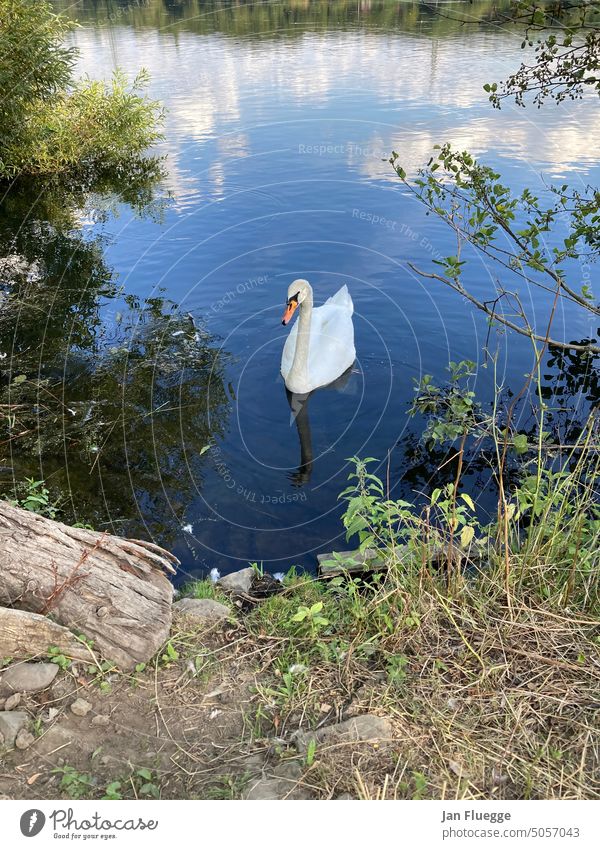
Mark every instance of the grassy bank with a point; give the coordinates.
(478, 644)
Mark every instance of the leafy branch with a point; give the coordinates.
(509, 229)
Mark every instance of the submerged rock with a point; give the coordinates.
(27, 678)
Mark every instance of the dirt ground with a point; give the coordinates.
(223, 712)
(190, 725)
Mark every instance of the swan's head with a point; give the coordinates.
(298, 291)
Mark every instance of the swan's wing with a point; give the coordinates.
(341, 299)
(331, 343)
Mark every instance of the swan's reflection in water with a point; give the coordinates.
(300, 415)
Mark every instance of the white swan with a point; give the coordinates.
(320, 346)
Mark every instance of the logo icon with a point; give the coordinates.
(32, 822)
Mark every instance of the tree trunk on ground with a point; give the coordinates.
(111, 590)
(25, 635)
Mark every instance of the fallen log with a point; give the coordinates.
(111, 590)
(25, 635)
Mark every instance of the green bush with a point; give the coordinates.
(52, 124)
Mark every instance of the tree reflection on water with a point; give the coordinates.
(107, 397)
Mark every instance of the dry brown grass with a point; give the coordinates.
(492, 703)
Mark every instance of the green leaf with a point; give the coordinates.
(467, 534)
(520, 443)
(468, 500)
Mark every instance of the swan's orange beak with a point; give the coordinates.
(289, 311)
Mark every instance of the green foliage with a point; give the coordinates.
(451, 410)
(146, 783)
(37, 499)
(310, 618)
(51, 124)
(311, 750)
(565, 41)
(203, 589)
(170, 654)
(511, 229)
(227, 787)
(56, 656)
(75, 784)
(113, 791)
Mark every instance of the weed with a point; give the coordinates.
(75, 784)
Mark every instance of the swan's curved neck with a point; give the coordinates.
(299, 369)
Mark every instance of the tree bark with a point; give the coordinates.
(25, 635)
(110, 590)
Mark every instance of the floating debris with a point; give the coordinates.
(214, 575)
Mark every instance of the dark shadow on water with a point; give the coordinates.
(300, 415)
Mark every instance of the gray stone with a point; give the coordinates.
(27, 678)
(238, 581)
(11, 722)
(101, 719)
(12, 701)
(367, 728)
(281, 782)
(24, 739)
(80, 707)
(275, 788)
(203, 609)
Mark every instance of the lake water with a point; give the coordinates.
(280, 122)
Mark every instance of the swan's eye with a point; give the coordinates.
(293, 299)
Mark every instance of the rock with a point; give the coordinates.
(24, 739)
(101, 719)
(80, 707)
(359, 729)
(239, 582)
(12, 701)
(11, 722)
(202, 609)
(282, 782)
(27, 678)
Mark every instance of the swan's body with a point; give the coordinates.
(320, 346)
